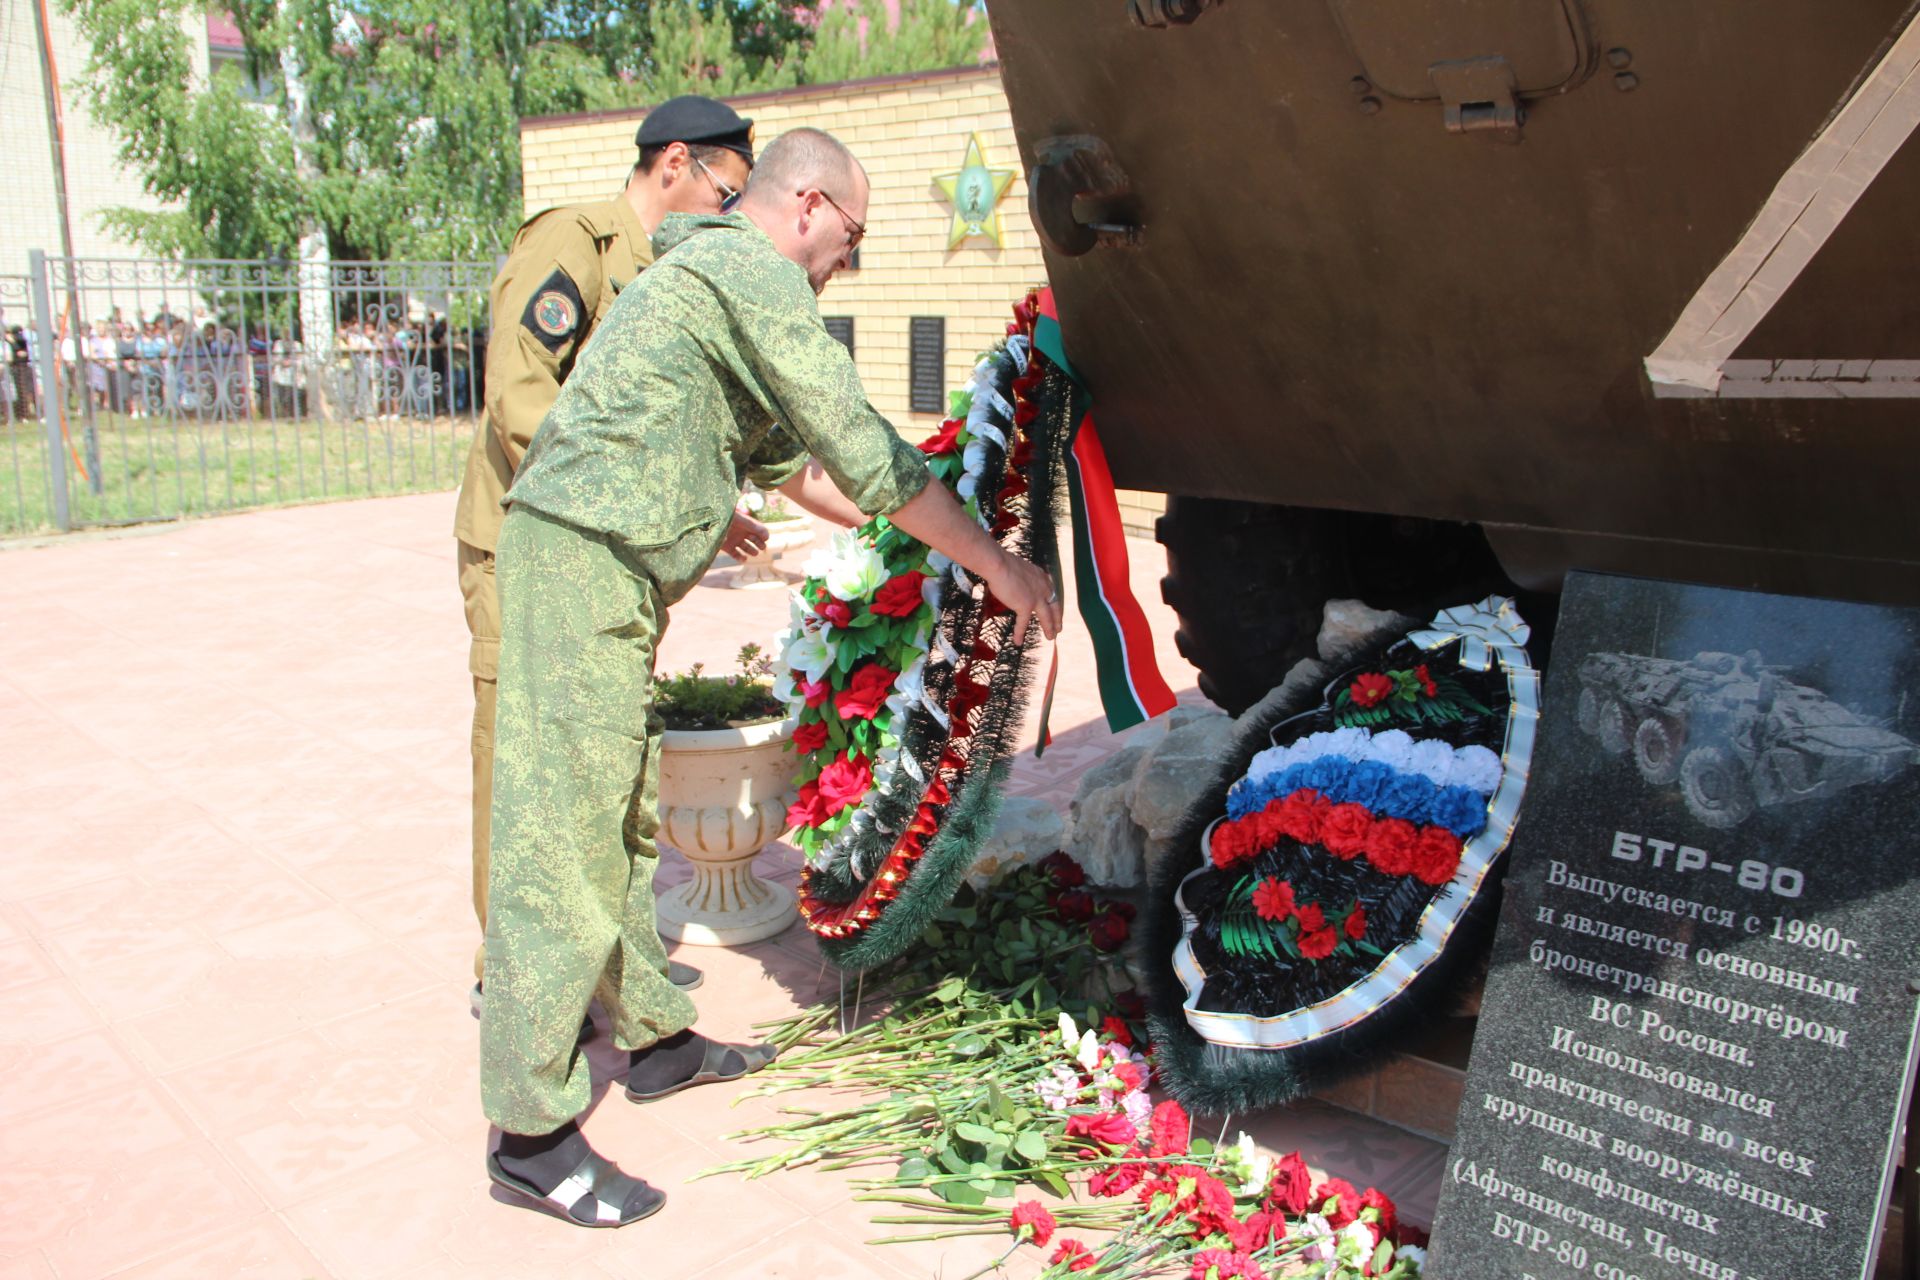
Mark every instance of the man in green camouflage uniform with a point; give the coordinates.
(615, 513)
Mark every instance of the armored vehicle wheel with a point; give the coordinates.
(1588, 714)
(1716, 790)
(1616, 732)
(1656, 751)
(1250, 581)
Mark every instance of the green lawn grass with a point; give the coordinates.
(164, 468)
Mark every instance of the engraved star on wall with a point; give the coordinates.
(975, 191)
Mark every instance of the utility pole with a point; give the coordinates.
(57, 145)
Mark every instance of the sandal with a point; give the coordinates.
(593, 1195)
(713, 1068)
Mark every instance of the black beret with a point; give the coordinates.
(695, 119)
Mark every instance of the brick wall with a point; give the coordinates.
(905, 130)
(29, 217)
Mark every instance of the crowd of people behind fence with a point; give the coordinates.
(179, 367)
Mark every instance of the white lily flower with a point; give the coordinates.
(1089, 1052)
(850, 568)
(1069, 1034)
(812, 654)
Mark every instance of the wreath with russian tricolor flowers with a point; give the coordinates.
(1338, 870)
(900, 673)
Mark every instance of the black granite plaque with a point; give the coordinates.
(927, 364)
(1696, 1040)
(841, 327)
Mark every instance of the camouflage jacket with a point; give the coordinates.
(676, 398)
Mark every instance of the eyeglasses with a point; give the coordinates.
(728, 196)
(856, 231)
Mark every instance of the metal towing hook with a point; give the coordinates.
(1167, 13)
(1076, 167)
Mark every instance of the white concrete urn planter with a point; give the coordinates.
(795, 534)
(723, 797)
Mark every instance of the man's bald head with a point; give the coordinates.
(805, 160)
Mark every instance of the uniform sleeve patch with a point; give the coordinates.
(553, 314)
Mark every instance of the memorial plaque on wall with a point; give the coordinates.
(1696, 1039)
(841, 327)
(927, 364)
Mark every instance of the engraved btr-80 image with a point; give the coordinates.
(1735, 733)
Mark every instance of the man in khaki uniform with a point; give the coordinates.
(566, 267)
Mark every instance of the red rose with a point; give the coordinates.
(1287, 1193)
(1311, 917)
(1390, 843)
(1273, 899)
(1427, 685)
(1076, 1255)
(809, 738)
(865, 693)
(945, 440)
(1356, 924)
(838, 612)
(1436, 855)
(814, 692)
(1169, 1129)
(1066, 873)
(900, 596)
(1117, 1031)
(1030, 1220)
(845, 782)
(808, 809)
(1108, 931)
(1075, 905)
(1319, 944)
(1345, 830)
(1117, 1181)
(1346, 1211)
(1374, 1199)
(1370, 689)
(1111, 1129)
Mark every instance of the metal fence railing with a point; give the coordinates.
(181, 387)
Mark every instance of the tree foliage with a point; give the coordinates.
(414, 104)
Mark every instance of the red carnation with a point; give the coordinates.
(1311, 917)
(1370, 689)
(1117, 1181)
(900, 596)
(1273, 899)
(1427, 686)
(1169, 1129)
(809, 738)
(1075, 905)
(1346, 1211)
(865, 693)
(945, 440)
(1111, 1129)
(1300, 815)
(1128, 1074)
(1116, 1030)
(1076, 1255)
(808, 809)
(838, 612)
(1345, 829)
(814, 692)
(1389, 1217)
(1390, 846)
(1109, 930)
(1287, 1193)
(1318, 945)
(1066, 873)
(1132, 1005)
(1030, 1220)
(1436, 855)
(1219, 1264)
(1260, 1230)
(845, 782)
(1356, 924)
(1234, 842)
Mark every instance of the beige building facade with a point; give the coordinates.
(909, 131)
(96, 179)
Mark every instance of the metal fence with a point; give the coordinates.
(185, 387)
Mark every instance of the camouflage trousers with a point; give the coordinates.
(575, 810)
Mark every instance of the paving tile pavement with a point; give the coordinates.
(235, 937)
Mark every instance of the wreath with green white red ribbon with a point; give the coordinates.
(901, 675)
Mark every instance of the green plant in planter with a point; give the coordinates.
(694, 700)
(769, 508)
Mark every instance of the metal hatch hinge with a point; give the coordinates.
(1477, 96)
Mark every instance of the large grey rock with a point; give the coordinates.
(1347, 623)
(1025, 831)
(1103, 838)
(1171, 776)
